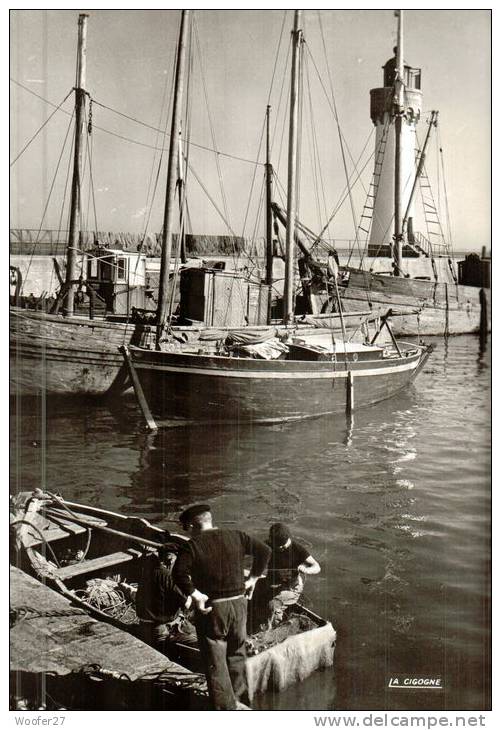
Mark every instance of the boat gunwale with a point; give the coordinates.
(226, 366)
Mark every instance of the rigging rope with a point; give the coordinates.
(211, 125)
(316, 160)
(68, 171)
(163, 135)
(447, 211)
(47, 204)
(281, 96)
(318, 239)
(190, 167)
(137, 121)
(338, 125)
(58, 107)
(91, 177)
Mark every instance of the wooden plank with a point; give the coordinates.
(105, 561)
(138, 390)
(49, 530)
(104, 528)
(63, 516)
(53, 534)
(56, 637)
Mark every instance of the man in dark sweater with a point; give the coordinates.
(210, 569)
(289, 563)
(160, 605)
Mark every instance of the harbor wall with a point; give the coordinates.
(43, 274)
(40, 256)
(53, 243)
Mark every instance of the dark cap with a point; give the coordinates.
(279, 534)
(190, 513)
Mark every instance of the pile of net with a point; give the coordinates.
(110, 597)
(268, 637)
(288, 653)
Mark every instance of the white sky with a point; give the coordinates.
(130, 60)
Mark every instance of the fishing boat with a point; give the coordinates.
(70, 352)
(315, 376)
(94, 558)
(423, 275)
(296, 376)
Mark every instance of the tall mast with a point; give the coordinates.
(71, 254)
(291, 176)
(398, 113)
(269, 218)
(163, 299)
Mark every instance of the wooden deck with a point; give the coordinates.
(53, 644)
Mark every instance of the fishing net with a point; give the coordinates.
(270, 636)
(109, 597)
(289, 659)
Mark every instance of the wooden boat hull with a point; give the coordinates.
(248, 390)
(439, 308)
(78, 356)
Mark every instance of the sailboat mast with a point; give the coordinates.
(71, 253)
(291, 175)
(398, 113)
(163, 299)
(269, 217)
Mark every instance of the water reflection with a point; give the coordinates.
(384, 499)
(483, 353)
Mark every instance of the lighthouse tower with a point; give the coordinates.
(385, 110)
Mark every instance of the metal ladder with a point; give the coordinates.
(370, 200)
(436, 240)
(434, 230)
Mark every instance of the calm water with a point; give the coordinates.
(395, 506)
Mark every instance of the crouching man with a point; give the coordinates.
(160, 605)
(289, 563)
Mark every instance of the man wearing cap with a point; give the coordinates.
(210, 569)
(289, 562)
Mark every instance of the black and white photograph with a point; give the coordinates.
(250, 364)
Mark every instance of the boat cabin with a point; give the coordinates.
(120, 279)
(221, 298)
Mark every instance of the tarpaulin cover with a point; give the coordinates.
(250, 336)
(269, 350)
(291, 661)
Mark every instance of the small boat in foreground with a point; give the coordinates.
(94, 558)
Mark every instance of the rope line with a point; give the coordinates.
(91, 177)
(137, 121)
(216, 207)
(58, 107)
(47, 203)
(447, 210)
(211, 124)
(159, 134)
(340, 135)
